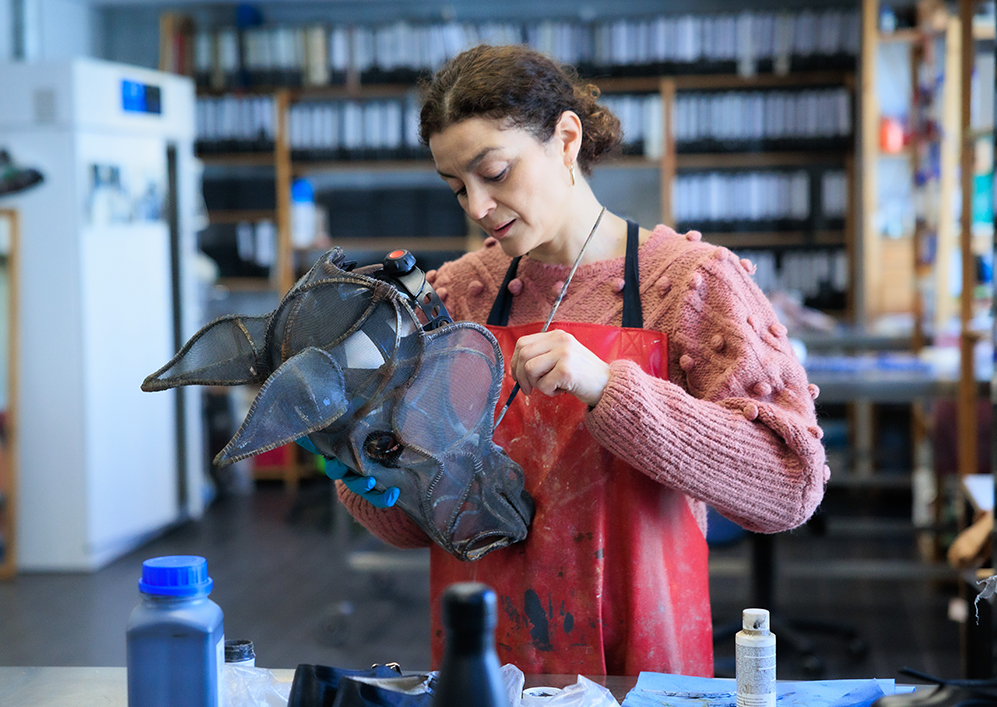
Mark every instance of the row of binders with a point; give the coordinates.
(235, 121)
(640, 121)
(712, 197)
(811, 273)
(763, 115)
(318, 55)
(356, 127)
(393, 124)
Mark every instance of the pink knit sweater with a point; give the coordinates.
(733, 426)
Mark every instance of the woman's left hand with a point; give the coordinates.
(553, 362)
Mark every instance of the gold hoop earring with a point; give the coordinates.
(571, 170)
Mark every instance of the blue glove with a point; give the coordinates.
(357, 483)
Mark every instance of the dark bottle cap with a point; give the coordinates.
(239, 650)
(398, 263)
(469, 606)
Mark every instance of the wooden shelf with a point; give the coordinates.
(735, 82)
(706, 82)
(217, 216)
(607, 84)
(689, 160)
(908, 152)
(258, 90)
(981, 32)
(386, 244)
(238, 159)
(349, 91)
(632, 162)
(701, 160)
(632, 84)
(984, 32)
(907, 34)
(246, 284)
(282, 463)
(301, 168)
(327, 92)
(719, 160)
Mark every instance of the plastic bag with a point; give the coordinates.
(584, 693)
(253, 687)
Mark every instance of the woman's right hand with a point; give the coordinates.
(555, 362)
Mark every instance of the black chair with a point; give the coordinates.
(792, 635)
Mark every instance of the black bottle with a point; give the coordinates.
(470, 673)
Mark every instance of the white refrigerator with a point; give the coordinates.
(106, 297)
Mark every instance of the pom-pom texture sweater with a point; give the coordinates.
(734, 425)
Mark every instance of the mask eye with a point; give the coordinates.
(382, 447)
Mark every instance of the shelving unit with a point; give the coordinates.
(786, 70)
(967, 423)
(671, 164)
(807, 156)
(940, 237)
(941, 155)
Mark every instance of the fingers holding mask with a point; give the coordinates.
(357, 483)
(554, 362)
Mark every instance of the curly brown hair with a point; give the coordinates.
(524, 87)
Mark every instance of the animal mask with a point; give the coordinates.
(344, 361)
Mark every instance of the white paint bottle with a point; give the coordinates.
(754, 654)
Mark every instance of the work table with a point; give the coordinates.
(107, 687)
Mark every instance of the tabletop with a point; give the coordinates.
(108, 687)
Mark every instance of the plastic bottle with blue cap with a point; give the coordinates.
(176, 637)
(303, 213)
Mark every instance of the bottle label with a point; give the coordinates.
(755, 666)
(756, 700)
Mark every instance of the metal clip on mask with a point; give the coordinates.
(399, 269)
(346, 360)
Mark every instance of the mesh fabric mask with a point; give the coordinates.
(344, 361)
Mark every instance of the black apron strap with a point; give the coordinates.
(633, 313)
(499, 316)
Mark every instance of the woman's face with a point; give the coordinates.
(508, 182)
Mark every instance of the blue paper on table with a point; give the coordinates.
(656, 689)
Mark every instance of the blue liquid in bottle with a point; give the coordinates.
(176, 637)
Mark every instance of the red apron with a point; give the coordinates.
(613, 576)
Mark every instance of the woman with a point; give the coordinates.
(665, 383)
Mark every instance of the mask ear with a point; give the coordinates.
(228, 351)
(305, 394)
(455, 390)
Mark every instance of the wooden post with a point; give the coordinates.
(285, 252)
(851, 239)
(668, 156)
(282, 160)
(866, 285)
(951, 138)
(967, 422)
(920, 224)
